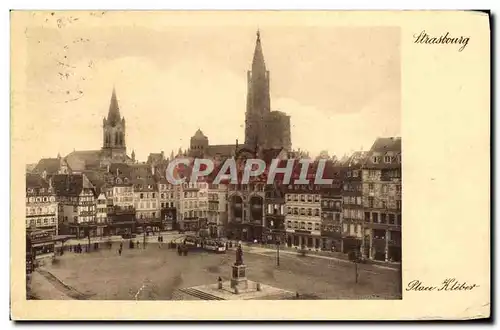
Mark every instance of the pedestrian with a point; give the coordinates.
(138, 244)
(120, 251)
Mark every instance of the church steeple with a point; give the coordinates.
(114, 110)
(114, 144)
(258, 63)
(258, 98)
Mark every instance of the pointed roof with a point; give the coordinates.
(199, 135)
(258, 63)
(114, 110)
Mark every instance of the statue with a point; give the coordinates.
(239, 256)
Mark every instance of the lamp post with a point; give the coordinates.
(277, 252)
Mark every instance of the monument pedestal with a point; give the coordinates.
(239, 278)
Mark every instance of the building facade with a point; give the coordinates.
(217, 209)
(352, 197)
(41, 215)
(77, 205)
(275, 214)
(381, 177)
(303, 216)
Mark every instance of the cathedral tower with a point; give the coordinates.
(113, 129)
(258, 98)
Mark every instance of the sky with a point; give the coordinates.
(340, 85)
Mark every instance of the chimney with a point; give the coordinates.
(162, 155)
(153, 169)
(44, 174)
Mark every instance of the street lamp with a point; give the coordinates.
(277, 252)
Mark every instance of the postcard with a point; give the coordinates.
(284, 165)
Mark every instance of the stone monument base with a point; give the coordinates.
(212, 292)
(239, 277)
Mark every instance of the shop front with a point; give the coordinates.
(303, 239)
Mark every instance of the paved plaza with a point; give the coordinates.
(156, 273)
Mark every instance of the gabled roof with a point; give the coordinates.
(68, 184)
(269, 154)
(84, 160)
(225, 150)
(35, 181)
(50, 165)
(97, 179)
(390, 146)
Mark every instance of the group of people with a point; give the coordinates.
(79, 248)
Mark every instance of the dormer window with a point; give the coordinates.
(376, 159)
(387, 159)
(118, 181)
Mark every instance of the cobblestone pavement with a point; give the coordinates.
(156, 273)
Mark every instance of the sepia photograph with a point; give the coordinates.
(178, 160)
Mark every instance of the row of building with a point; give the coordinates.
(360, 209)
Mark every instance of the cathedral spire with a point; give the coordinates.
(114, 110)
(258, 63)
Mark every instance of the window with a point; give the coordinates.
(75, 208)
(375, 217)
(383, 204)
(383, 218)
(316, 197)
(141, 196)
(309, 198)
(302, 225)
(316, 226)
(337, 216)
(302, 198)
(370, 202)
(398, 205)
(387, 159)
(316, 212)
(309, 226)
(370, 186)
(353, 201)
(348, 174)
(309, 212)
(302, 211)
(384, 188)
(391, 219)
(399, 220)
(288, 197)
(295, 211)
(358, 200)
(346, 200)
(355, 174)
(376, 159)
(75, 218)
(162, 196)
